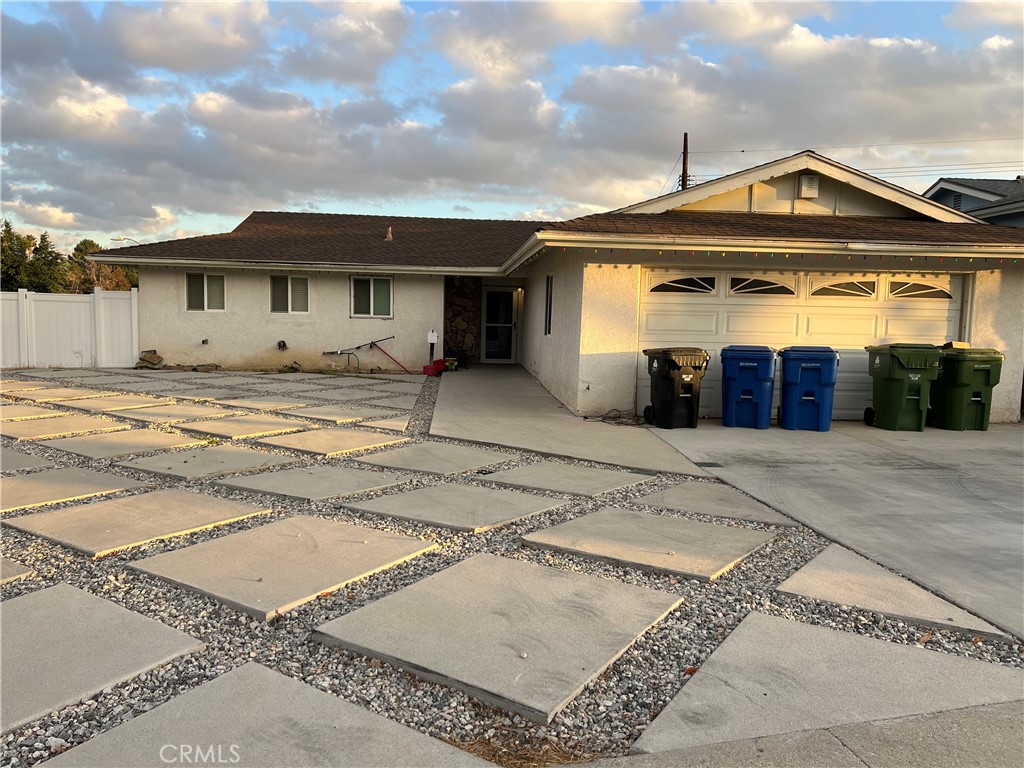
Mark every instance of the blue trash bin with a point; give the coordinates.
(748, 382)
(808, 387)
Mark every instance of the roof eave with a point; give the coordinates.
(781, 245)
(296, 266)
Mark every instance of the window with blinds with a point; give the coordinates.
(204, 292)
(371, 296)
(289, 294)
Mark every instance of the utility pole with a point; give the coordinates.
(684, 177)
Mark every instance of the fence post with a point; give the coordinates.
(99, 352)
(135, 321)
(24, 334)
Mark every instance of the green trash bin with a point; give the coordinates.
(961, 397)
(901, 378)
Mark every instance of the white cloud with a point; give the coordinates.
(996, 42)
(44, 216)
(974, 13)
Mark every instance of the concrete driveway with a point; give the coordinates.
(945, 509)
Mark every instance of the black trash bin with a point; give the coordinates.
(676, 373)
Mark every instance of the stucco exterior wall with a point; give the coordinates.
(608, 335)
(997, 322)
(554, 360)
(245, 334)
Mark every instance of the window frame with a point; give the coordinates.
(291, 295)
(206, 291)
(370, 279)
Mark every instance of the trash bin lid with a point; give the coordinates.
(911, 355)
(983, 355)
(745, 351)
(674, 351)
(816, 353)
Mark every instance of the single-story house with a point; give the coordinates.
(802, 250)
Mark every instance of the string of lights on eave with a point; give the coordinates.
(781, 257)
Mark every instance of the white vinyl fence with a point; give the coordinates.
(42, 330)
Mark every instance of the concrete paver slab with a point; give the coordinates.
(403, 387)
(14, 461)
(9, 386)
(774, 676)
(462, 507)
(652, 542)
(61, 645)
(438, 458)
(211, 393)
(395, 424)
(340, 395)
(157, 387)
(164, 375)
(806, 749)
(315, 483)
(206, 462)
(18, 412)
(523, 637)
(840, 576)
(566, 478)
(303, 376)
(279, 566)
(715, 499)
(241, 427)
(58, 426)
(54, 485)
(340, 414)
(256, 711)
(52, 394)
(264, 403)
(113, 444)
(401, 403)
(11, 570)
(977, 736)
(114, 403)
(105, 527)
(505, 405)
(332, 441)
(173, 414)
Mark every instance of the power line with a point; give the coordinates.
(670, 174)
(855, 146)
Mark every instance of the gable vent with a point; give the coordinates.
(808, 186)
(958, 201)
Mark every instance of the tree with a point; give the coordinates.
(14, 250)
(47, 268)
(85, 275)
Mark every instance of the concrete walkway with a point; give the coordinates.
(506, 406)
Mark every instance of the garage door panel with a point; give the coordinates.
(676, 321)
(834, 330)
(917, 328)
(761, 324)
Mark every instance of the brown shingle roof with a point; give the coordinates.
(771, 226)
(346, 239)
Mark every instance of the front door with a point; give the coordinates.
(500, 324)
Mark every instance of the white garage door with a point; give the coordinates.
(713, 309)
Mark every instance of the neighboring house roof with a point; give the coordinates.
(698, 225)
(998, 192)
(351, 241)
(810, 161)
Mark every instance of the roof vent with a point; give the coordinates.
(808, 187)
(388, 235)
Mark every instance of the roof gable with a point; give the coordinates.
(890, 199)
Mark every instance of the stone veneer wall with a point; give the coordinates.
(463, 297)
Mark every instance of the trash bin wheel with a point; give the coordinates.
(869, 416)
(649, 414)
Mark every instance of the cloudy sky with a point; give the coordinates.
(161, 120)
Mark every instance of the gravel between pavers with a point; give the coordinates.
(603, 720)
